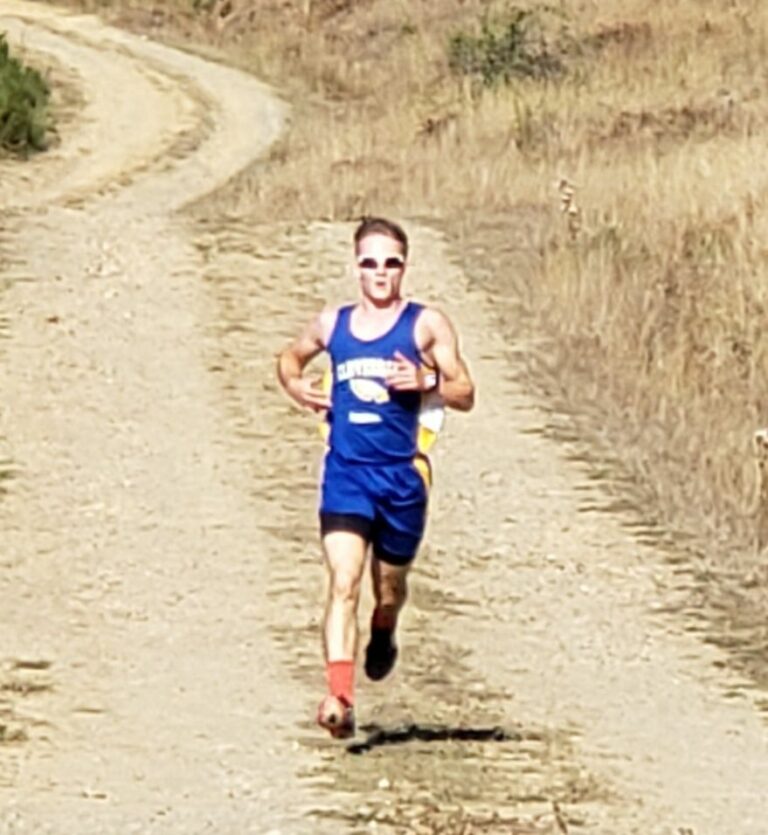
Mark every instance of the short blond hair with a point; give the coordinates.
(381, 226)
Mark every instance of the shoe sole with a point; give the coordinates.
(338, 726)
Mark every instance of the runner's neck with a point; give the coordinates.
(370, 321)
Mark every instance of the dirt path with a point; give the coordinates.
(133, 561)
(159, 580)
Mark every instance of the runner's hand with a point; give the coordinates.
(309, 394)
(407, 376)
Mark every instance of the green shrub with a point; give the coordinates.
(515, 46)
(23, 105)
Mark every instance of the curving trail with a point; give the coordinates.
(128, 562)
(159, 582)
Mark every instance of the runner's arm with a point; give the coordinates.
(295, 357)
(455, 383)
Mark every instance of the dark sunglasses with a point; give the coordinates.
(391, 263)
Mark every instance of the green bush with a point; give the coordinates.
(515, 46)
(23, 105)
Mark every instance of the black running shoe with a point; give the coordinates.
(380, 654)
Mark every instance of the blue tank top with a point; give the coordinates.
(370, 424)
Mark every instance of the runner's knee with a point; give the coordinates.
(391, 590)
(345, 586)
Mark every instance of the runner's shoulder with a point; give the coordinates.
(326, 322)
(432, 322)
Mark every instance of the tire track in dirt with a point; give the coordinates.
(114, 139)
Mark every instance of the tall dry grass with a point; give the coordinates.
(647, 303)
(655, 309)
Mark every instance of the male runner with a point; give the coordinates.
(386, 352)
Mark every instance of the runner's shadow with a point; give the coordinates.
(402, 734)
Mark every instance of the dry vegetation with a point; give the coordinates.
(645, 298)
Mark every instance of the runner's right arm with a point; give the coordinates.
(292, 361)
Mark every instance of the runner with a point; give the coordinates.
(387, 354)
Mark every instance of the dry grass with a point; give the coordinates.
(648, 299)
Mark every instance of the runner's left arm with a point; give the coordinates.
(441, 350)
(454, 380)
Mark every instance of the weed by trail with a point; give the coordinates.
(515, 46)
(23, 105)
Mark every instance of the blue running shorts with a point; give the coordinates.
(385, 503)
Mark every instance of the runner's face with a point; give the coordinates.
(380, 267)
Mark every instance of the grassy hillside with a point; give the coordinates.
(600, 166)
(23, 105)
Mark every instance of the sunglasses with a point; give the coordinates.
(391, 263)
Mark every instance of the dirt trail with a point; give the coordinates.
(132, 559)
(159, 579)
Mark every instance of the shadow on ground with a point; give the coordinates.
(378, 736)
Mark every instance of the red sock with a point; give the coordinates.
(384, 619)
(341, 679)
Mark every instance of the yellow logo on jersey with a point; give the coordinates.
(431, 414)
(369, 391)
